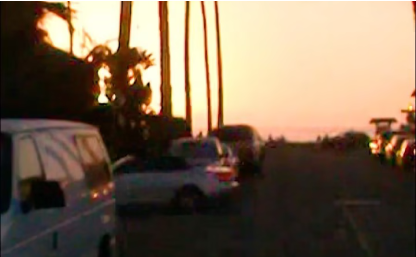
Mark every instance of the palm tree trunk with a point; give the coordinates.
(219, 66)
(166, 96)
(71, 29)
(123, 46)
(204, 17)
(188, 102)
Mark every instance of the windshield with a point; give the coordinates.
(200, 149)
(5, 178)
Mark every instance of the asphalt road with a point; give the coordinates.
(310, 203)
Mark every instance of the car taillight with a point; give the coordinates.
(225, 176)
(221, 174)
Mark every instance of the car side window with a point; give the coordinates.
(129, 167)
(94, 161)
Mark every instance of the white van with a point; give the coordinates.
(56, 190)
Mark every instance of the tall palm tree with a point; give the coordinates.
(166, 96)
(204, 18)
(188, 103)
(219, 66)
(120, 74)
(70, 28)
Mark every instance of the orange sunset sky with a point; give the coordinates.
(300, 65)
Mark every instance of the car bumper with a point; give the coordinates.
(225, 192)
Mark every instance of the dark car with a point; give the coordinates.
(246, 142)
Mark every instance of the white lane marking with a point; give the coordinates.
(357, 202)
(360, 235)
(362, 240)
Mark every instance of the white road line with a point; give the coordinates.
(360, 235)
(362, 241)
(357, 202)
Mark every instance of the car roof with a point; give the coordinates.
(236, 126)
(14, 126)
(194, 139)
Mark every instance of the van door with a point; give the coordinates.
(30, 230)
(66, 158)
(99, 219)
(61, 163)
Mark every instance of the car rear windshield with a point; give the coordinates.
(200, 149)
(234, 134)
(5, 178)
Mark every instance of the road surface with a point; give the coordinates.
(310, 203)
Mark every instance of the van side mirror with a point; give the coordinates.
(44, 195)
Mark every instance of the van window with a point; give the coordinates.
(28, 160)
(6, 172)
(60, 157)
(94, 161)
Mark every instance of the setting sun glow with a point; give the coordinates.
(285, 64)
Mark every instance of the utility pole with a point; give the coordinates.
(219, 67)
(188, 102)
(165, 90)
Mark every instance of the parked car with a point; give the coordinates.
(393, 146)
(205, 151)
(56, 181)
(405, 157)
(169, 181)
(246, 142)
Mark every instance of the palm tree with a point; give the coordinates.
(22, 19)
(204, 17)
(219, 66)
(136, 60)
(166, 96)
(70, 28)
(188, 102)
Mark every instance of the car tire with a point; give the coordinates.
(189, 200)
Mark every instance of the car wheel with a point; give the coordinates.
(189, 200)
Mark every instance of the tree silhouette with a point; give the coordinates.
(102, 57)
(36, 78)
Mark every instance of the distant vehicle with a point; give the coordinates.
(169, 181)
(246, 142)
(56, 181)
(380, 141)
(405, 157)
(204, 151)
(393, 146)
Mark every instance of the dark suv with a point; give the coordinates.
(246, 142)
